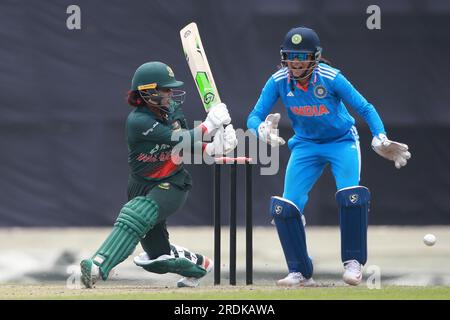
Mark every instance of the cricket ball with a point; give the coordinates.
(429, 239)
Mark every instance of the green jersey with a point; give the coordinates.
(150, 143)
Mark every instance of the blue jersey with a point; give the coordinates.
(317, 112)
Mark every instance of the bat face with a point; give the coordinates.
(199, 66)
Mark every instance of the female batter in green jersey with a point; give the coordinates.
(158, 185)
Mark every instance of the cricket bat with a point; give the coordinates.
(199, 66)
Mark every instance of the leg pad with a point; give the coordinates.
(180, 261)
(353, 205)
(136, 218)
(291, 232)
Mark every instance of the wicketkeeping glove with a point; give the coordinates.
(268, 130)
(391, 150)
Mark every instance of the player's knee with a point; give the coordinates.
(283, 208)
(298, 200)
(138, 215)
(351, 180)
(353, 196)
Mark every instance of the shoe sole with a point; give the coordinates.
(181, 284)
(308, 283)
(352, 281)
(86, 277)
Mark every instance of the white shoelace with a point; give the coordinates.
(296, 275)
(352, 266)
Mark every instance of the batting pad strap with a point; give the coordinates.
(354, 203)
(139, 214)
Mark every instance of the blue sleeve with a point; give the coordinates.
(353, 98)
(264, 105)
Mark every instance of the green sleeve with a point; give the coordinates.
(197, 146)
(146, 128)
(179, 115)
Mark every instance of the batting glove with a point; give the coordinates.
(217, 116)
(224, 142)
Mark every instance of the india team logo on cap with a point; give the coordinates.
(171, 74)
(296, 38)
(320, 91)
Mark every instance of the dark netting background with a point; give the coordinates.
(62, 106)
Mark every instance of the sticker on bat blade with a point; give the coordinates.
(205, 88)
(208, 98)
(187, 33)
(199, 50)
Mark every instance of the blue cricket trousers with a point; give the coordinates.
(309, 159)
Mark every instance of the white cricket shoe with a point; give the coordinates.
(353, 272)
(295, 279)
(192, 282)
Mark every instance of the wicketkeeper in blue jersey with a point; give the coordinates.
(315, 96)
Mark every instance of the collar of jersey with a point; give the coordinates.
(299, 86)
(312, 80)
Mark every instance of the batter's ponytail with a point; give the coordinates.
(134, 99)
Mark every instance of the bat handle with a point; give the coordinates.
(222, 132)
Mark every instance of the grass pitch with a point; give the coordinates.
(126, 292)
